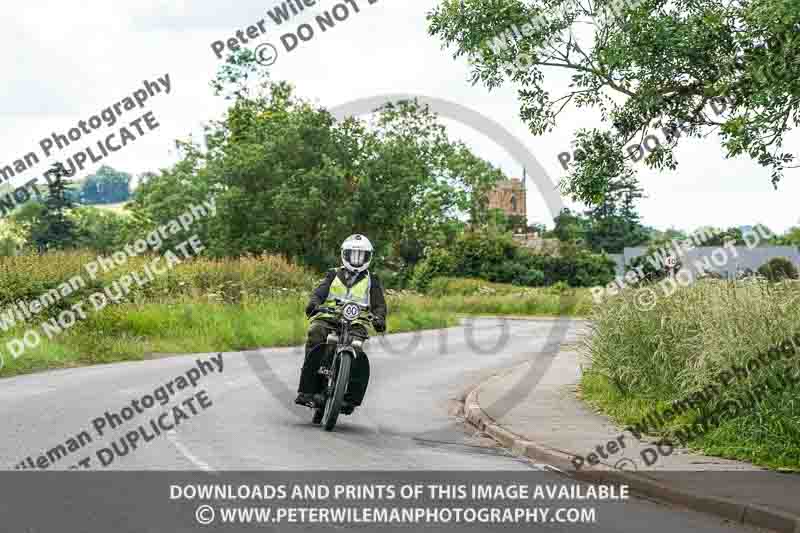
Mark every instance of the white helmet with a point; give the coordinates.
(356, 253)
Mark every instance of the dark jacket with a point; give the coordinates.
(377, 301)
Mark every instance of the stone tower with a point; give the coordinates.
(509, 196)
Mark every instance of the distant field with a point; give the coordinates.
(117, 208)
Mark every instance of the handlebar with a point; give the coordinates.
(334, 310)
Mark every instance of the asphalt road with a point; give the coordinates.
(245, 419)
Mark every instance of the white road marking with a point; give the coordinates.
(199, 463)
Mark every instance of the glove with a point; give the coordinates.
(379, 324)
(311, 308)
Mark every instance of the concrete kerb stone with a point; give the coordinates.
(640, 483)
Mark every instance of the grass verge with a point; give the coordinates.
(642, 361)
(222, 305)
(132, 332)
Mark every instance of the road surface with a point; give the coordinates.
(245, 418)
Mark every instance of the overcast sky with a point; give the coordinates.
(64, 61)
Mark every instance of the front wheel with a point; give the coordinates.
(336, 397)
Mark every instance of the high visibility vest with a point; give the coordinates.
(357, 293)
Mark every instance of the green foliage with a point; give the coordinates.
(291, 179)
(608, 227)
(790, 238)
(101, 230)
(438, 262)
(613, 234)
(52, 229)
(574, 266)
(232, 280)
(208, 305)
(641, 361)
(649, 67)
(106, 186)
(494, 256)
(721, 237)
(652, 262)
(570, 227)
(778, 269)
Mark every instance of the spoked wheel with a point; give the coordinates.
(336, 396)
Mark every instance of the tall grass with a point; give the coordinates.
(464, 295)
(232, 304)
(643, 360)
(136, 331)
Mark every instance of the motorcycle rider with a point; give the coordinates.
(351, 281)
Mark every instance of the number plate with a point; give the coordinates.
(351, 311)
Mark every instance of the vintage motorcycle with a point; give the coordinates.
(338, 362)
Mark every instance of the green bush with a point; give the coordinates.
(101, 230)
(495, 257)
(778, 269)
(644, 262)
(517, 273)
(483, 254)
(438, 262)
(577, 267)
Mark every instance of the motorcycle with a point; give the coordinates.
(336, 367)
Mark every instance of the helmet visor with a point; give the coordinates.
(357, 258)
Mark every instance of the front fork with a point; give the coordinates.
(328, 371)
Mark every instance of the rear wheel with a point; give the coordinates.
(336, 396)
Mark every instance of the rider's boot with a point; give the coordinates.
(305, 399)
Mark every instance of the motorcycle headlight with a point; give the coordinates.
(358, 344)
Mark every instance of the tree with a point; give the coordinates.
(539, 229)
(100, 229)
(667, 235)
(289, 178)
(778, 269)
(614, 222)
(52, 228)
(721, 237)
(106, 186)
(648, 66)
(791, 237)
(570, 227)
